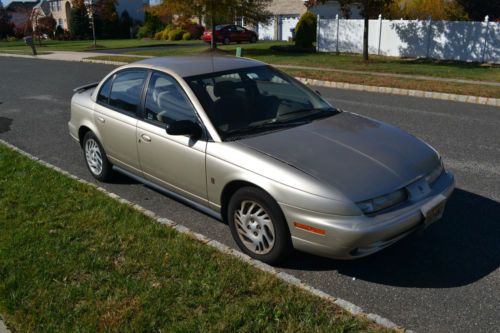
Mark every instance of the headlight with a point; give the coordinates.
(434, 175)
(382, 202)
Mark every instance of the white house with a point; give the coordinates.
(286, 14)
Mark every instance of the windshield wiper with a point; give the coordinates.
(319, 112)
(239, 132)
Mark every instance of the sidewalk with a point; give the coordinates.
(62, 55)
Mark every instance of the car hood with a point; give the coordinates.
(360, 157)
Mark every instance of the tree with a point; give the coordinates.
(370, 9)
(79, 20)
(422, 9)
(106, 18)
(478, 9)
(305, 31)
(215, 11)
(126, 24)
(46, 25)
(6, 27)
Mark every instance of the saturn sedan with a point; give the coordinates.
(244, 142)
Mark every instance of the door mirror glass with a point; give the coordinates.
(185, 127)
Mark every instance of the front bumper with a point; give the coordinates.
(351, 237)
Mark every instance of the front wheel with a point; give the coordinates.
(258, 225)
(227, 41)
(253, 40)
(95, 158)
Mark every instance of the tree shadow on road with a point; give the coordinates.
(458, 250)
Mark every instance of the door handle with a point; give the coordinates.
(146, 138)
(101, 119)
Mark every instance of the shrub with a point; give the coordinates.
(159, 35)
(305, 31)
(176, 34)
(186, 36)
(144, 32)
(165, 33)
(196, 30)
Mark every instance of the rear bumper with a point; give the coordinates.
(73, 132)
(351, 237)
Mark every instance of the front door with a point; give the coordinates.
(175, 162)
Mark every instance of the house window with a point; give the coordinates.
(60, 22)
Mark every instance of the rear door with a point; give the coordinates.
(176, 162)
(116, 111)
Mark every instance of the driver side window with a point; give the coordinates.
(166, 102)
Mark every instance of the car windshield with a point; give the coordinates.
(255, 100)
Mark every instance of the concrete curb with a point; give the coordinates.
(360, 87)
(288, 278)
(3, 328)
(403, 92)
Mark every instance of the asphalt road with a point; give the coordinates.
(444, 280)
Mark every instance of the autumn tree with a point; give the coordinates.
(6, 27)
(79, 20)
(106, 18)
(215, 11)
(422, 9)
(45, 25)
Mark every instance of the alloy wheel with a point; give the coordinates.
(93, 156)
(254, 227)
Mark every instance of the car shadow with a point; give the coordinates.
(121, 179)
(458, 250)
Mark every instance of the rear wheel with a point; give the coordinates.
(95, 158)
(253, 39)
(227, 41)
(258, 225)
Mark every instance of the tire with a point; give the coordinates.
(253, 40)
(95, 158)
(258, 225)
(226, 41)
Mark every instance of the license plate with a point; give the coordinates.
(433, 210)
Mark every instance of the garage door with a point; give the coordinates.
(288, 24)
(266, 31)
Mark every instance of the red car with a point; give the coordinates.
(230, 33)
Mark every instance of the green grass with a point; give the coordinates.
(23, 52)
(73, 259)
(262, 51)
(365, 79)
(86, 45)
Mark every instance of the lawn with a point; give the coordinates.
(435, 68)
(87, 45)
(73, 259)
(255, 51)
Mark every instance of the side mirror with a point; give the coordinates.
(185, 127)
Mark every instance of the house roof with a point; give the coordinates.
(44, 6)
(16, 6)
(287, 7)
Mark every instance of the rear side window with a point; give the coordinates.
(127, 89)
(103, 96)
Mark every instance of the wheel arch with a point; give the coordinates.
(229, 191)
(84, 129)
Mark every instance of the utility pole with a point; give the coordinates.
(90, 10)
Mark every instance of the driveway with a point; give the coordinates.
(444, 280)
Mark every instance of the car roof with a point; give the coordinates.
(185, 66)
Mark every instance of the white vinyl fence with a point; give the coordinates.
(467, 41)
